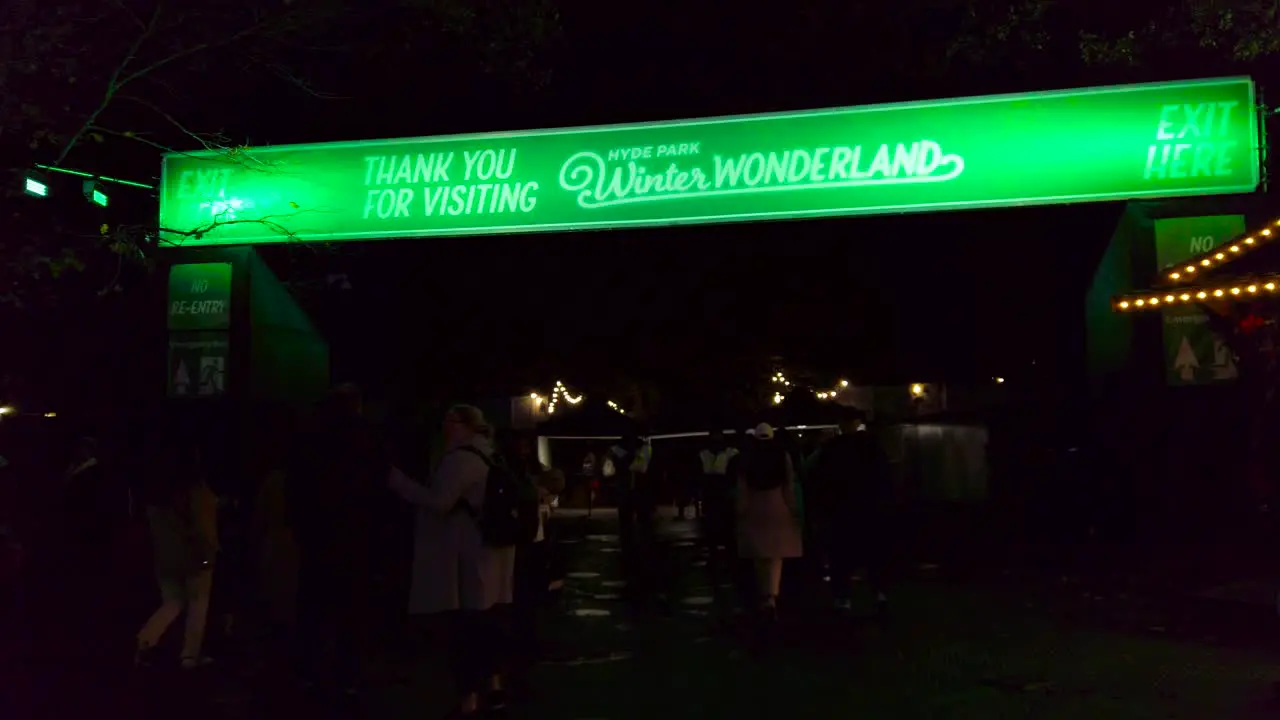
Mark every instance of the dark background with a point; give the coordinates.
(960, 296)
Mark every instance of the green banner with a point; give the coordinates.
(200, 296)
(1194, 354)
(198, 364)
(1173, 139)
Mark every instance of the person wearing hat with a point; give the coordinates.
(768, 528)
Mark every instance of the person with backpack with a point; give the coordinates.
(768, 524)
(472, 515)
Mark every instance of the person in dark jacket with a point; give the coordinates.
(851, 497)
(332, 496)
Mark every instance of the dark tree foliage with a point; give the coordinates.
(105, 87)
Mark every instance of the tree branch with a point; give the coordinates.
(267, 221)
(113, 84)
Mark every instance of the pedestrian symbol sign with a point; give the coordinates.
(213, 372)
(198, 364)
(1193, 353)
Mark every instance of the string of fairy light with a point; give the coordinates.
(560, 392)
(1186, 284)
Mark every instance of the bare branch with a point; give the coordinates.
(267, 221)
(288, 76)
(210, 141)
(113, 84)
(198, 47)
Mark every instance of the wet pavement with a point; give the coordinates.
(952, 649)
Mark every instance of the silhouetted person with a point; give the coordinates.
(768, 523)
(851, 501)
(337, 481)
(462, 575)
(182, 512)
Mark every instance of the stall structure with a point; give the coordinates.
(1235, 285)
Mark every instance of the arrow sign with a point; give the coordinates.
(181, 379)
(1186, 363)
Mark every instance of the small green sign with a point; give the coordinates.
(1193, 353)
(1196, 137)
(198, 363)
(200, 296)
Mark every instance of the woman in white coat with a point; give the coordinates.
(453, 570)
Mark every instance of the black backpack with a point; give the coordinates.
(510, 513)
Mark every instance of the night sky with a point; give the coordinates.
(960, 295)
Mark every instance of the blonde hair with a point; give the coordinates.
(472, 417)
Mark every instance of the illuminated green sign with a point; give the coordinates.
(1135, 141)
(200, 296)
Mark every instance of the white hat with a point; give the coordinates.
(764, 431)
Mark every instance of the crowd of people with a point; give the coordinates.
(825, 510)
(320, 539)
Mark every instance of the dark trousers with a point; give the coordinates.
(532, 578)
(479, 647)
(327, 635)
(852, 546)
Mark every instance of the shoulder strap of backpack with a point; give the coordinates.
(474, 451)
(463, 505)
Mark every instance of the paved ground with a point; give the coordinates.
(952, 650)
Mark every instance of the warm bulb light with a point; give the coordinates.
(1235, 248)
(1217, 293)
(1205, 262)
(1191, 268)
(1174, 276)
(1124, 304)
(1202, 295)
(1220, 256)
(1266, 233)
(1270, 286)
(1235, 291)
(1168, 298)
(1252, 288)
(1248, 241)
(1184, 297)
(917, 389)
(1139, 302)
(844, 383)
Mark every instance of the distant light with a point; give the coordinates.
(917, 389)
(844, 383)
(51, 415)
(34, 187)
(95, 193)
(999, 380)
(6, 410)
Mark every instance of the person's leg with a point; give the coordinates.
(199, 588)
(308, 631)
(841, 564)
(153, 630)
(344, 622)
(468, 640)
(765, 588)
